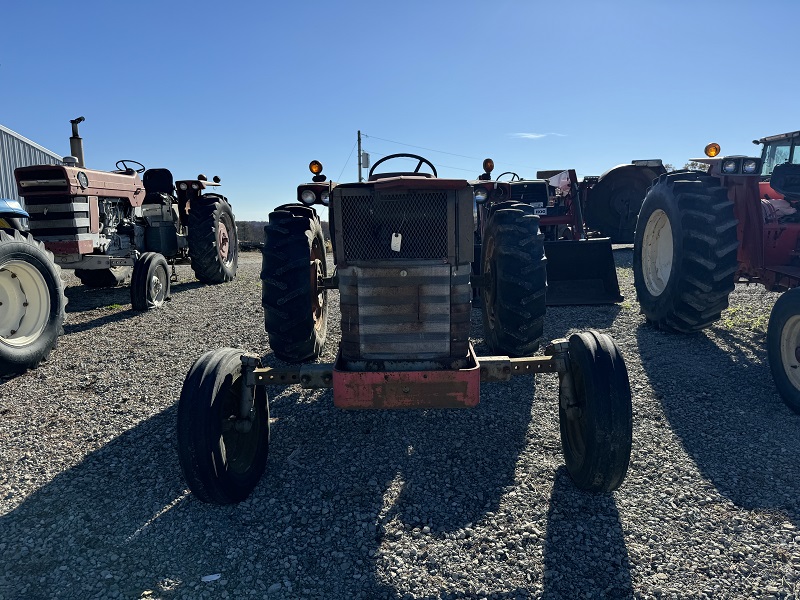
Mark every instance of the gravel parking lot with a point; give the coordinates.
(406, 504)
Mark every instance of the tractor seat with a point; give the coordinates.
(157, 183)
(786, 180)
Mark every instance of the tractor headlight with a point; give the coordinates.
(749, 166)
(182, 186)
(195, 186)
(730, 166)
(325, 198)
(308, 197)
(480, 194)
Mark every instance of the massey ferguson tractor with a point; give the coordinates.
(699, 233)
(102, 224)
(31, 295)
(403, 247)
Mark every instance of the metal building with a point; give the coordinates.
(17, 151)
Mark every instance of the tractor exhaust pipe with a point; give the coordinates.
(76, 142)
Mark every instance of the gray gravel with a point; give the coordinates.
(427, 504)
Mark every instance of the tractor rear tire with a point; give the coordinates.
(150, 284)
(221, 463)
(597, 429)
(614, 202)
(783, 347)
(32, 302)
(514, 271)
(295, 304)
(213, 242)
(684, 256)
(103, 278)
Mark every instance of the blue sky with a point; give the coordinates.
(254, 91)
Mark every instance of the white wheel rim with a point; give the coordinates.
(657, 250)
(24, 303)
(790, 349)
(158, 287)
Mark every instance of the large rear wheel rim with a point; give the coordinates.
(223, 241)
(657, 252)
(24, 303)
(317, 289)
(490, 284)
(790, 350)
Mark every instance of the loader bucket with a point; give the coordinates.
(581, 272)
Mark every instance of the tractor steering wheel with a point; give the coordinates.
(513, 175)
(415, 156)
(125, 166)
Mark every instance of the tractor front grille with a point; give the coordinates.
(370, 222)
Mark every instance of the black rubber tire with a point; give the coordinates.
(17, 356)
(150, 284)
(785, 312)
(11, 223)
(295, 309)
(613, 203)
(704, 244)
(597, 432)
(211, 395)
(514, 270)
(103, 278)
(210, 263)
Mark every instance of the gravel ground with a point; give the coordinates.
(415, 504)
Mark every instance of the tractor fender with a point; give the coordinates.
(13, 209)
(650, 171)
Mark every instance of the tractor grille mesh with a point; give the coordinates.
(369, 222)
(530, 192)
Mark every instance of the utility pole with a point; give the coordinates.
(360, 179)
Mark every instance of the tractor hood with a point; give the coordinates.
(75, 181)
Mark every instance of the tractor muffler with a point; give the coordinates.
(581, 272)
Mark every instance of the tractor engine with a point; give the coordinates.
(404, 248)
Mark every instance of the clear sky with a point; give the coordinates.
(253, 91)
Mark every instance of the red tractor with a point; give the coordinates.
(403, 244)
(107, 224)
(699, 233)
(579, 221)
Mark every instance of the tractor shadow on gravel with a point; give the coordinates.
(723, 405)
(82, 299)
(584, 552)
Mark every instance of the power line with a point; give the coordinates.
(443, 152)
(420, 147)
(440, 165)
(348, 160)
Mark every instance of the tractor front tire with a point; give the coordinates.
(596, 421)
(684, 256)
(213, 242)
(294, 301)
(514, 271)
(222, 455)
(103, 278)
(32, 302)
(783, 347)
(150, 284)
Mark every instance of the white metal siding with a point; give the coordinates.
(17, 151)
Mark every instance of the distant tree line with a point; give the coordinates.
(692, 164)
